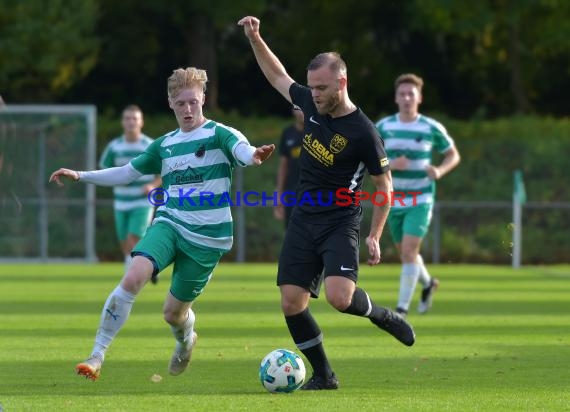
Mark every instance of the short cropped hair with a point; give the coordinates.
(132, 108)
(331, 59)
(185, 78)
(409, 78)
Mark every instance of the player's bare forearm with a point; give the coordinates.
(383, 184)
(268, 62)
(450, 161)
(157, 182)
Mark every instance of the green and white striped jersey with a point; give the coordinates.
(196, 169)
(119, 152)
(415, 140)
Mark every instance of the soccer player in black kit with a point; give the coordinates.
(340, 143)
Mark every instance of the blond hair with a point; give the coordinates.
(409, 78)
(185, 78)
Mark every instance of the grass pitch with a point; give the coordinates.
(496, 339)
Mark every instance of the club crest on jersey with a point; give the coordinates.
(338, 143)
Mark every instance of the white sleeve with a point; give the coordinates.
(243, 152)
(112, 176)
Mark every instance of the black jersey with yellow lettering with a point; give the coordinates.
(335, 154)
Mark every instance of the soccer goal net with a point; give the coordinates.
(38, 220)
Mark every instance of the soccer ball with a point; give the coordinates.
(282, 371)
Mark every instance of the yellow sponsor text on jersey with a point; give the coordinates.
(318, 150)
(326, 157)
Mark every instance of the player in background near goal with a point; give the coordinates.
(193, 235)
(410, 138)
(288, 171)
(133, 212)
(340, 143)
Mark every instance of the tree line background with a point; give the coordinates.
(483, 59)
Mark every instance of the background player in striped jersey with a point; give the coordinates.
(133, 212)
(410, 138)
(197, 158)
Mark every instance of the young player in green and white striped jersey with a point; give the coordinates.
(132, 210)
(409, 139)
(193, 229)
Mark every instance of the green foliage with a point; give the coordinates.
(46, 47)
(494, 42)
(491, 59)
(492, 150)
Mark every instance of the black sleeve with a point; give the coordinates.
(283, 150)
(373, 153)
(301, 96)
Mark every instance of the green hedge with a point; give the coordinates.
(491, 150)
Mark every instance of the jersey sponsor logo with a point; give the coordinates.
(182, 177)
(338, 143)
(318, 150)
(384, 162)
(313, 120)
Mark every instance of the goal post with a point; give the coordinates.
(41, 221)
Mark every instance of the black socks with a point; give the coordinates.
(308, 337)
(362, 305)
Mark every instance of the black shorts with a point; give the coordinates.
(313, 251)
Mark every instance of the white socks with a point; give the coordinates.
(408, 281)
(114, 315)
(424, 278)
(183, 333)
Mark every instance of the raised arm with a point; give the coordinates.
(269, 64)
(106, 177)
